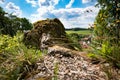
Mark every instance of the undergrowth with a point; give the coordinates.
(74, 41)
(107, 52)
(110, 51)
(16, 59)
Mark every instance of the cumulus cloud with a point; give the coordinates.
(45, 10)
(32, 2)
(47, 2)
(70, 17)
(2, 1)
(76, 17)
(44, 3)
(70, 4)
(11, 7)
(86, 1)
(42, 13)
(45, 7)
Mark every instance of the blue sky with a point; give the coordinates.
(72, 13)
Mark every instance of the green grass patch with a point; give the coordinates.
(84, 32)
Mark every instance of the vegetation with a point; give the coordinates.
(77, 36)
(83, 32)
(53, 29)
(107, 31)
(16, 59)
(74, 39)
(10, 24)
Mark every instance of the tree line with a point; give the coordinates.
(10, 24)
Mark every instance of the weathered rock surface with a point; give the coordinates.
(46, 33)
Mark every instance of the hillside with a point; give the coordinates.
(59, 39)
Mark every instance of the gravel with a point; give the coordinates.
(67, 67)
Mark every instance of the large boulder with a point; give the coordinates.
(46, 33)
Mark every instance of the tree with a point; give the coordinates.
(109, 18)
(10, 24)
(107, 30)
(5, 27)
(2, 13)
(25, 24)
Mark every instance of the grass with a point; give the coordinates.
(84, 32)
(16, 59)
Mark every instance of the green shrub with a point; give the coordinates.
(16, 59)
(74, 41)
(109, 50)
(107, 31)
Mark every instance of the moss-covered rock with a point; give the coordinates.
(46, 33)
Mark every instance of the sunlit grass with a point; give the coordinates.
(84, 32)
(16, 59)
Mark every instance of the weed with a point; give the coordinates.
(16, 59)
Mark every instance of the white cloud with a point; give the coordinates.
(45, 10)
(47, 2)
(70, 17)
(12, 8)
(45, 6)
(70, 4)
(76, 17)
(43, 3)
(86, 1)
(2, 1)
(32, 2)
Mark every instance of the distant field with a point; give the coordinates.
(85, 32)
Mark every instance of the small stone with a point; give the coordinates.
(69, 73)
(118, 71)
(70, 68)
(106, 64)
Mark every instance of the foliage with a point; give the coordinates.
(107, 31)
(111, 53)
(74, 40)
(25, 24)
(107, 21)
(56, 69)
(10, 24)
(74, 37)
(16, 60)
(5, 24)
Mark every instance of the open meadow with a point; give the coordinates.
(83, 32)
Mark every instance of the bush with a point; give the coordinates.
(107, 31)
(16, 59)
(74, 41)
(108, 50)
